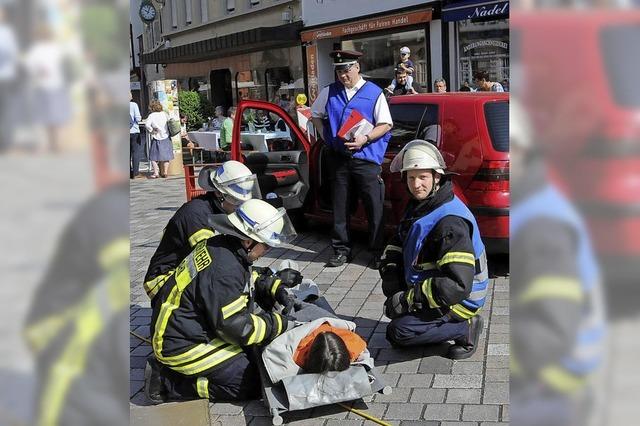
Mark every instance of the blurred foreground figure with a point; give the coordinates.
(77, 323)
(558, 326)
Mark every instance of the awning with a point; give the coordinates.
(475, 10)
(232, 44)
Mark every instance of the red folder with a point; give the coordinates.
(354, 125)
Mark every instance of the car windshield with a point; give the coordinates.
(622, 67)
(410, 121)
(497, 116)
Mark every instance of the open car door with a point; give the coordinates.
(270, 143)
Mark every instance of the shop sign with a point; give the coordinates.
(475, 10)
(312, 72)
(484, 43)
(382, 23)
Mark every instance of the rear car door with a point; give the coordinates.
(271, 144)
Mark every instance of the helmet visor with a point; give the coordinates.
(274, 232)
(240, 189)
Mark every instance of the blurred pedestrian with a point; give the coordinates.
(216, 123)
(226, 136)
(8, 67)
(136, 149)
(481, 79)
(440, 85)
(44, 62)
(161, 150)
(434, 271)
(355, 163)
(401, 85)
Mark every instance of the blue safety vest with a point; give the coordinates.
(416, 274)
(338, 109)
(588, 352)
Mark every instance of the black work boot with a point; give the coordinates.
(465, 348)
(153, 388)
(338, 259)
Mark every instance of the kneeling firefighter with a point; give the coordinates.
(204, 318)
(227, 186)
(434, 270)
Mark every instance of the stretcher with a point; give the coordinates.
(285, 387)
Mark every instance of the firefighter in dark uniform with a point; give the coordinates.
(434, 271)
(355, 162)
(204, 321)
(227, 186)
(558, 324)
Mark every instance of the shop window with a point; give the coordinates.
(174, 13)
(483, 46)
(204, 10)
(230, 6)
(382, 53)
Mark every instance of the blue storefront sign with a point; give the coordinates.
(475, 10)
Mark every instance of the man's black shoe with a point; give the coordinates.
(465, 348)
(153, 388)
(338, 259)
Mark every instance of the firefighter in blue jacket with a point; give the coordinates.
(227, 186)
(355, 162)
(204, 320)
(434, 270)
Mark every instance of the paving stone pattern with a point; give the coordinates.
(428, 389)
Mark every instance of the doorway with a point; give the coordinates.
(221, 92)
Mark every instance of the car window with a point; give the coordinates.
(497, 117)
(622, 67)
(266, 131)
(412, 121)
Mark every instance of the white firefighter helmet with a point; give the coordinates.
(232, 179)
(519, 129)
(418, 155)
(262, 222)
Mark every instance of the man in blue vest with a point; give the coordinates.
(355, 160)
(434, 271)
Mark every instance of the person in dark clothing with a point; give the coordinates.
(227, 186)
(558, 333)
(207, 321)
(434, 270)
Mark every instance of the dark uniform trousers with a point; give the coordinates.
(356, 178)
(235, 380)
(136, 153)
(425, 327)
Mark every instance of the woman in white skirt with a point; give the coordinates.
(161, 150)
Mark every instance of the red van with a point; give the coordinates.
(470, 129)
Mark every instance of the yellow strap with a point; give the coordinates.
(192, 354)
(410, 296)
(561, 380)
(234, 307)
(114, 253)
(462, 312)
(203, 387)
(458, 257)
(427, 291)
(200, 235)
(553, 287)
(275, 286)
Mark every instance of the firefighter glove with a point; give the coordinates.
(396, 305)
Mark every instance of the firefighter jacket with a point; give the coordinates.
(78, 317)
(558, 315)
(185, 229)
(444, 260)
(203, 316)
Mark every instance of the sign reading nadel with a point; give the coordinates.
(483, 11)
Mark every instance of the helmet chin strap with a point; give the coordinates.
(435, 186)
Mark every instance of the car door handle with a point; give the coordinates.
(285, 158)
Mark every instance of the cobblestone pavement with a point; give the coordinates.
(428, 389)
